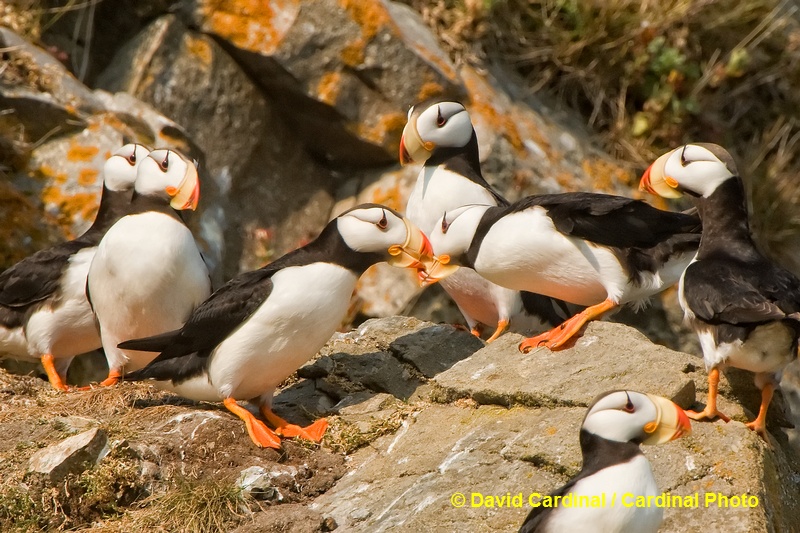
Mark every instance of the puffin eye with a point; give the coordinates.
(132, 158)
(684, 162)
(383, 222)
(629, 405)
(165, 163)
(445, 225)
(440, 120)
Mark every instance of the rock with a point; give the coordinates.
(608, 356)
(288, 517)
(71, 456)
(435, 349)
(404, 481)
(377, 58)
(252, 212)
(43, 95)
(256, 482)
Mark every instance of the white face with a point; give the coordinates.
(371, 229)
(695, 168)
(624, 416)
(443, 124)
(119, 171)
(169, 175)
(453, 233)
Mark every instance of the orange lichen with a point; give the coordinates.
(50, 173)
(389, 125)
(199, 48)
(78, 153)
(87, 177)
(566, 180)
(390, 197)
(429, 90)
(353, 53)
(370, 15)
(70, 207)
(253, 25)
(605, 174)
(328, 87)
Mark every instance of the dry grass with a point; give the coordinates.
(650, 75)
(194, 506)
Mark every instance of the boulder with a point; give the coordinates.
(347, 68)
(265, 194)
(509, 424)
(70, 456)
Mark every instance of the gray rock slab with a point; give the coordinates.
(70, 456)
(608, 356)
(404, 482)
(435, 348)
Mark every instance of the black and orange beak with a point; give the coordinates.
(655, 181)
(187, 194)
(671, 422)
(412, 147)
(415, 252)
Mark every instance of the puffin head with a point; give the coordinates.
(695, 169)
(432, 124)
(628, 416)
(451, 238)
(119, 170)
(377, 229)
(168, 174)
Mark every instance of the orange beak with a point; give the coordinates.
(671, 422)
(405, 157)
(415, 252)
(656, 181)
(187, 194)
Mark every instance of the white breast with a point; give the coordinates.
(306, 305)
(66, 327)
(524, 251)
(146, 279)
(438, 190)
(634, 477)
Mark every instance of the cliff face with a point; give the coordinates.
(418, 413)
(294, 112)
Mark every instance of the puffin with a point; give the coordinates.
(147, 275)
(590, 249)
(44, 313)
(439, 134)
(261, 326)
(744, 308)
(616, 423)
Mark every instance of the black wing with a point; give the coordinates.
(727, 291)
(610, 220)
(36, 277)
(213, 320)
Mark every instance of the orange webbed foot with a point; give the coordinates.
(707, 414)
(260, 434)
(534, 342)
(313, 432)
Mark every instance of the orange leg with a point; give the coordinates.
(711, 404)
(260, 434)
(314, 432)
(502, 325)
(56, 380)
(476, 330)
(113, 378)
(556, 337)
(759, 425)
